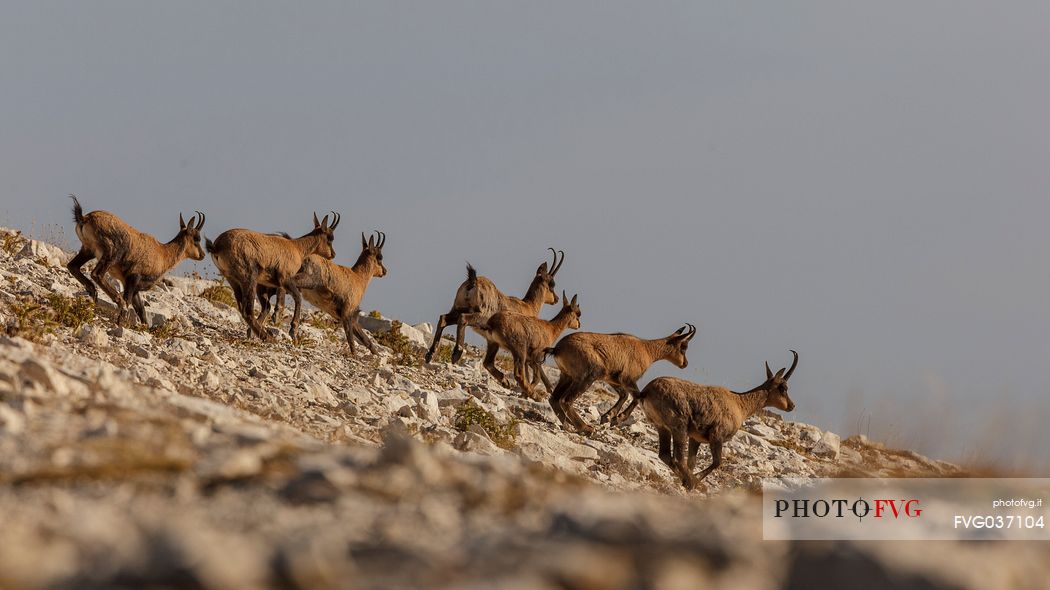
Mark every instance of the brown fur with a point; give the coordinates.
(135, 259)
(617, 359)
(338, 290)
(526, 337)
(479, 297)
(686, 413)
(248, 259)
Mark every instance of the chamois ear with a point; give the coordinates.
(316, 222)
(371, 242)
(564, 299)
(542, 269)
(182, 222)
(769, 373)
(364, 242)
(573, 298)
(324, 223)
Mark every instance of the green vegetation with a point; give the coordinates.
(375, 314)
(501, 433)
(404, 353)
(220, 295)
(320, 320)
(443, 354)
(36, 318)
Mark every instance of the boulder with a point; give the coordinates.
(827, 446)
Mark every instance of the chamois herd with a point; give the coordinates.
(261, 265)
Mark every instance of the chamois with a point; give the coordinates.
(479, 297)
(681, 410)
(617, 359)
(338, 289)
(134, 258)
(248, 258)
(526, 338)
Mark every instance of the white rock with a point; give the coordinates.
(359, 397)
(472, 442)
(210, 380)
(11, 420)
(93, 336)
(427, 405)
(53, 255)
(827, 446)
(541, 445)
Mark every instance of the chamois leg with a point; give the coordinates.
(293, 290)
(131, 292)
(568, 404)
(74, 266)
(694, 449)
(612, 412)
(461, 335)
(98, 274)
(665, 446)
(680, 443)
(278, 309)
(564, 383)
(263, 293)
(238, 296)
(249, 307)
(348, 329)
(538, 374)
(522, 376)
(621, 417)
(716, 460)
(360, 332)
(444, 320)
(490, 363)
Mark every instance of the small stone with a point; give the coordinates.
(827, 446)
(139, 351)
(93, 336)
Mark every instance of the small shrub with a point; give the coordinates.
(34, 319)
(12, 243)
(404, 353)
(320, 320)
(168, 329)
(375, 314)
(443, 354)
(71, 312)
(501, 433)
(301, 341)
(220, 295)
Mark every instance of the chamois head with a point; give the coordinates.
(325, 231)
(190, 235)
(544, 279)
(777, 386)
(678, 344)
(571, 308)
(373, 249)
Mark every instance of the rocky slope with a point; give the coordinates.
(185, 455)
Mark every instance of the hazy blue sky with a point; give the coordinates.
(865, 182)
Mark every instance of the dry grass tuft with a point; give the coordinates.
(36, 318)
(405, 353)
(220, 295)
(502, 433)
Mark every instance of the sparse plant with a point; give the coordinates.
(375, 314)
(301, 341)
(71, 312)
(500, 432)
(404, 353)
(12, 243)
(220, 295)
(443, 354)
(320, 321)
(34, 318)
(168, 329)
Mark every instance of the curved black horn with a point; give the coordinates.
(200, 223)
(382, 239)
(557, 266)
(335, 219)
(692, 332)
(555, 263)
(794, 364)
